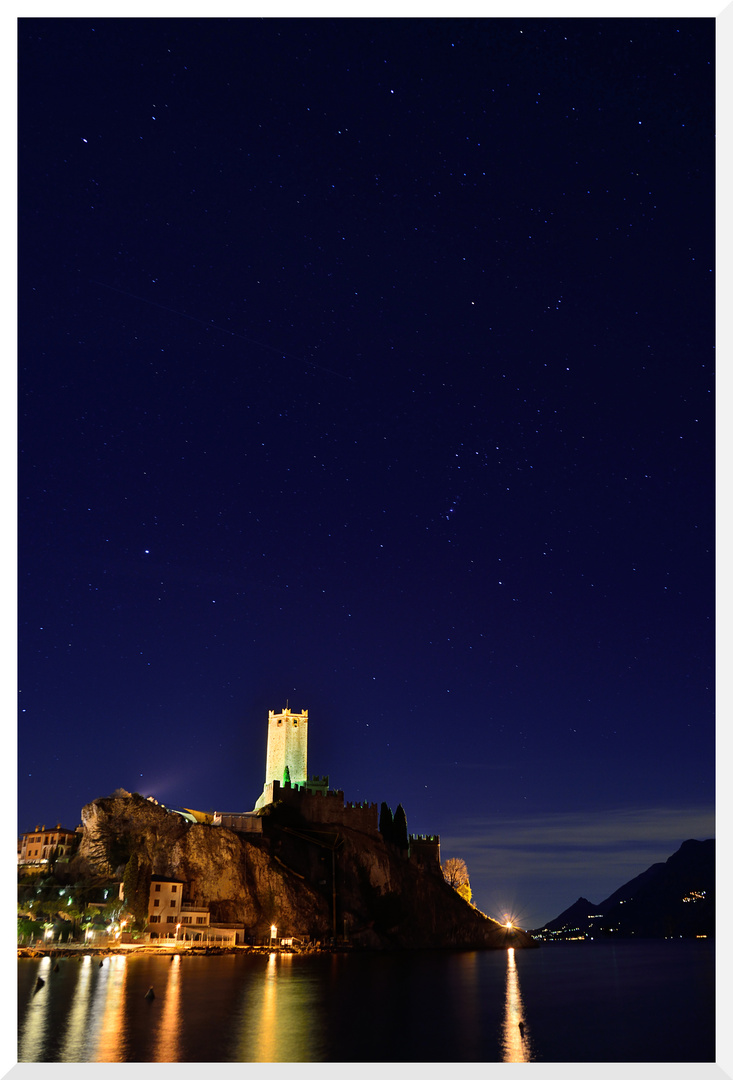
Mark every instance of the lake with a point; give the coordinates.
(645, 1001)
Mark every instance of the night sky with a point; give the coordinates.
(367, 365)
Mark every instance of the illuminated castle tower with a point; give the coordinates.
(287, 746)
(287, 749)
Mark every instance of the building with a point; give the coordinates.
(287, 749)
(38, 847)
(193, 918)
(287, 756)
(247, 821)
(169, 915)
(164, 904)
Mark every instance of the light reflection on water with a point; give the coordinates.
(111, 998)
(516, 1039)
(265, 1024)
(34, 1029)
(276, 1019)
(375, 1007)
(167, 1048)
(74, 1045)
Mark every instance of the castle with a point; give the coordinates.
(287, 781)
(287, 755)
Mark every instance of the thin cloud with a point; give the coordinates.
(558, 845)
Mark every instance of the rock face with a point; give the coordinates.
(311, 880)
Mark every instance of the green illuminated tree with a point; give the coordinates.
(286, 775)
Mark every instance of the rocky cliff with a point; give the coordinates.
(311, 881)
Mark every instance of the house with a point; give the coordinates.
(38, 847)
(164, 905)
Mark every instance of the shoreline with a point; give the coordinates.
(32, 952)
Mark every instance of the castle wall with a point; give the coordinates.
(287, 744)
(247, 822)
(425, 851)
(325, 808)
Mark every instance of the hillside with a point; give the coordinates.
(290, 875)
(675, 898)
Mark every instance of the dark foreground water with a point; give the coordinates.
(592, 1002)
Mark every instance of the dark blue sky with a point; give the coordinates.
(368, 365)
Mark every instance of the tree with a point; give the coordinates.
(455, 873)
(386, 822)
(401, 838)
(464, 890)
(136, 889)
(286, 775)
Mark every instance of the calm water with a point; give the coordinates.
(627, 1001)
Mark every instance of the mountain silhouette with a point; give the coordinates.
(675, 898)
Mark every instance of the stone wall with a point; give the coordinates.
(425, 852)
(325, 808)
(250, 823)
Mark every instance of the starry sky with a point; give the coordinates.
(367, 366)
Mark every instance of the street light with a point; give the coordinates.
(273, 932)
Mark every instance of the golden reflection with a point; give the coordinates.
(112, 1029)
(276, 1014)
(516, 1040)
(30, 1045)
(169, 1028)
(77, 1030)
(266, 1039)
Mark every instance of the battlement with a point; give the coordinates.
(323, 806)
(425, 852)
(287, 715)
(287, 747)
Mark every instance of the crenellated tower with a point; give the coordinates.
(287, 746)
